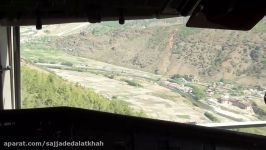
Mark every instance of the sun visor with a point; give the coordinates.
(228, 14)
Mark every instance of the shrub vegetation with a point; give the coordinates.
(211, 117)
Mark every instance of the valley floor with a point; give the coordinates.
(145, 91)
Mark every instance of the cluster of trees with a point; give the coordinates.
(211, 117)
(259, 111)
(198, 93)
(67, 63)
(44, 89)
(186, 77)
(132, 83)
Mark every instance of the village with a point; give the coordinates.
(226, 99)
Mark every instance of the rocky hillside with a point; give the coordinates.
(167, 47)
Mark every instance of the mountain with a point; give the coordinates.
(167, 47)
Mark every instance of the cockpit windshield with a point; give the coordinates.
(149, 68)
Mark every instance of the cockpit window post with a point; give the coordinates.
(17, 78)
(6, 78)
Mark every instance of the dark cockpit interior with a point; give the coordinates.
(75, 128)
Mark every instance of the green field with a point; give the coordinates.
(41, 52)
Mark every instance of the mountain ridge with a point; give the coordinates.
(167, 47)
